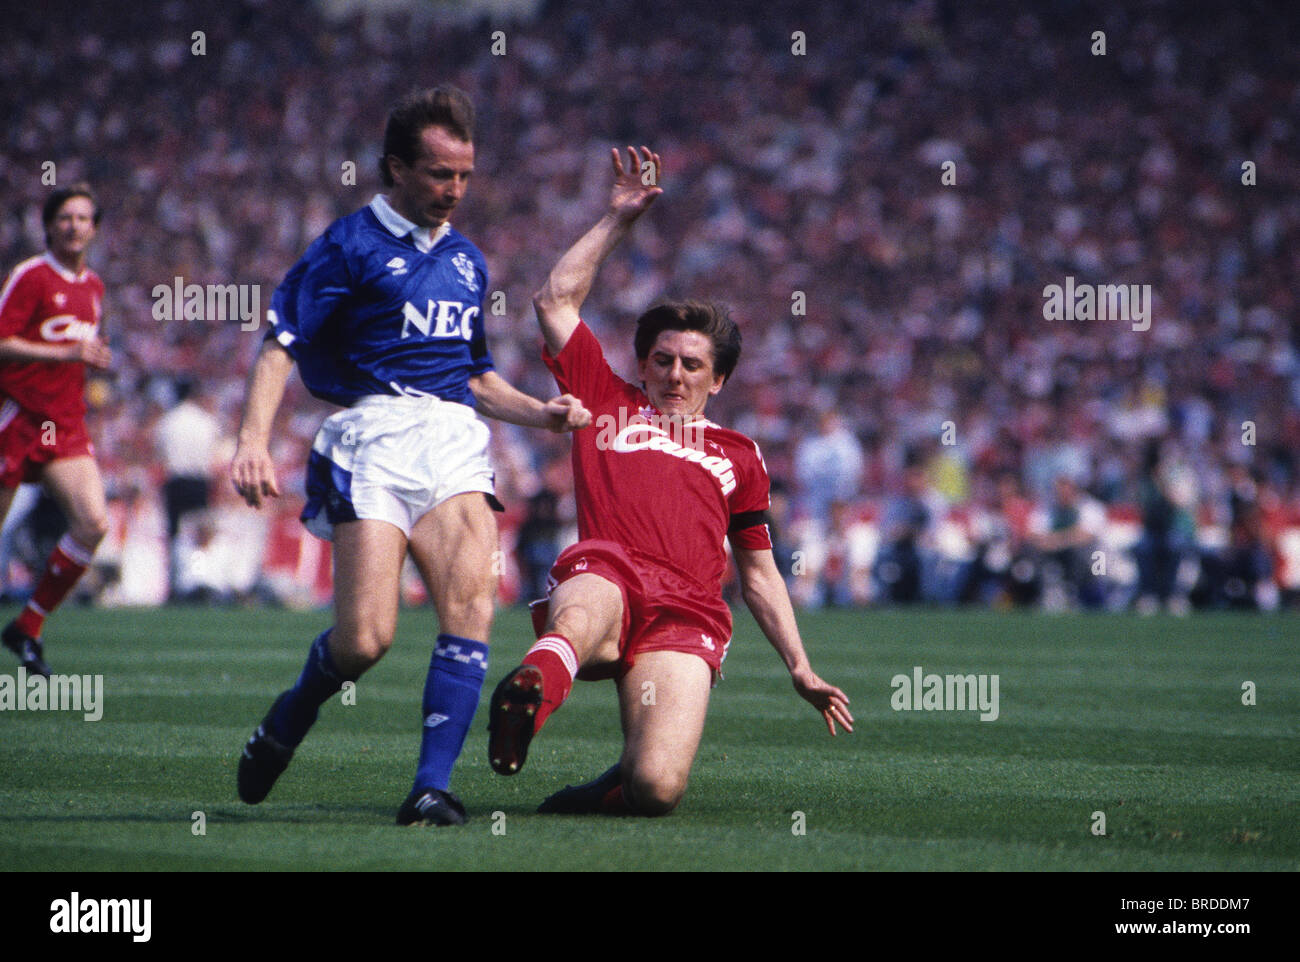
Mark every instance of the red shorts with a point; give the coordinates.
(662, 611)
(30, 441)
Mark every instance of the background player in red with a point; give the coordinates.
(659, 487)
(49, 331)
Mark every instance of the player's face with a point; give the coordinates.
(426, 191)
(72, 229)
(678, 373)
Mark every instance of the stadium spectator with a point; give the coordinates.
(906, 555)
(1168, 541)
(50, 309)
(850, 551)
(829, 467)
(811, 174)
(541, 535)
(1238, 573)
(383, 316)
(1067, 532)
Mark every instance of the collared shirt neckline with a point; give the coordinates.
(425, 238)
(67, 274)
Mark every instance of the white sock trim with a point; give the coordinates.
(558, 645)
(75, 551)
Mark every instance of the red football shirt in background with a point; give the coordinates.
(670, 493)
(43, 301)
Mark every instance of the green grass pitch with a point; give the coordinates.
(1141, 719)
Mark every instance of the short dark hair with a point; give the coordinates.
(442, 106)
(711, 320)
(54, 203)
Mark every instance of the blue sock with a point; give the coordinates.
(296, 711)
(456, 674)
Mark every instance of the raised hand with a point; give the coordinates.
(631, 195)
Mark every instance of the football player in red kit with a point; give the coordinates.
(659, 487)
(49, 332)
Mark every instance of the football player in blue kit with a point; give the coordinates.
(383, 316)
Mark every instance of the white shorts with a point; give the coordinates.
(394, 459)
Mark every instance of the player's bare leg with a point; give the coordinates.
(454, 547)
(76, 485)
(663, 701)
(585, 617)
(588, 610)
(368, 559)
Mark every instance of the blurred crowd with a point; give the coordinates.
(931, 437)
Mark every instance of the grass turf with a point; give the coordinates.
(1141, 719)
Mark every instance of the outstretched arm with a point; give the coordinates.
(93, 352)
(570, 281)
(497, 398)
(765, 593)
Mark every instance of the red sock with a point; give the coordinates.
(614, 803)
(68, 562)
(555, 658)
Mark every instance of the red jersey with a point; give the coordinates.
(668, 491)
(45, 302)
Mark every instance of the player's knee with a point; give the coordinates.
(653, 791)
(89, 530)
(357, 648)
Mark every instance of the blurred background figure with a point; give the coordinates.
(851, 548)
(1238, 573)
(906, 551)
(18, 554)
(187, 437)
(828, 467)
(1166, 553)
(1067, 533)
(549, 526)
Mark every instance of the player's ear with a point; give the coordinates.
(718, 381)
(396, 168)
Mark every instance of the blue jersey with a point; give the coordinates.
(365, 311)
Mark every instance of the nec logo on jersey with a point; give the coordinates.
(465, 267)
(440, 319)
